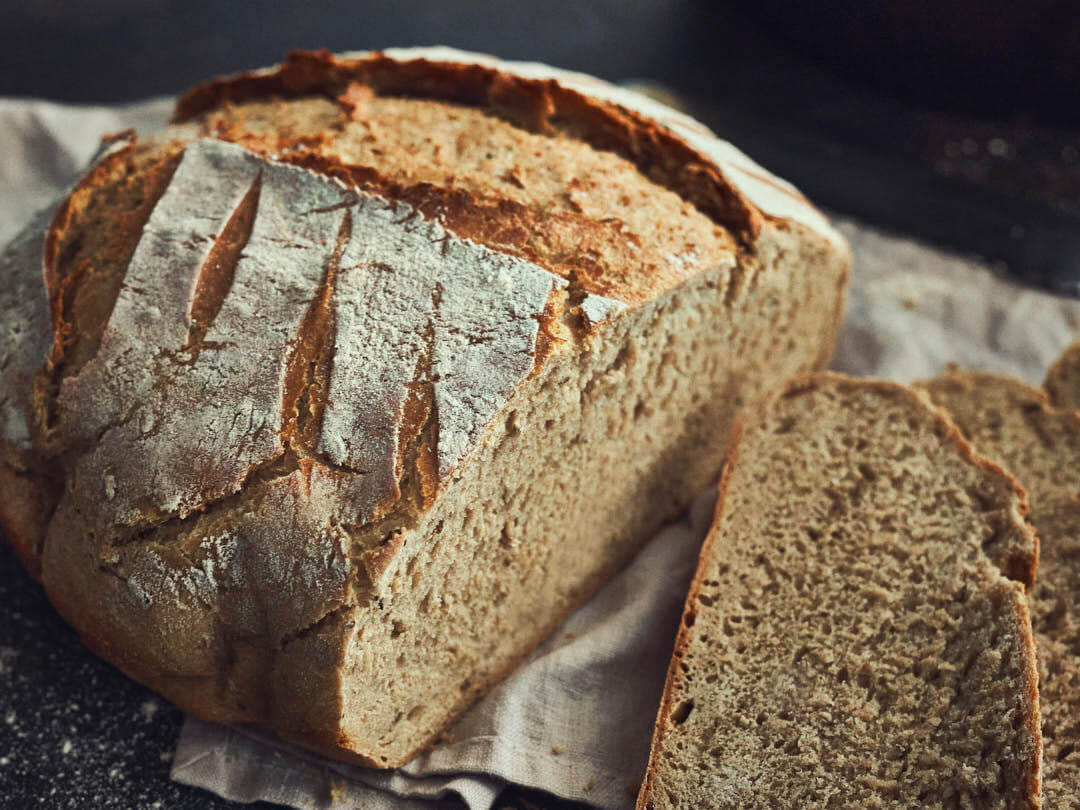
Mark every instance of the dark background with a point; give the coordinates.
(956, 122)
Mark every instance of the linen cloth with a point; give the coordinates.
(576, 718)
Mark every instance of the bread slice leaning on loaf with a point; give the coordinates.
(337, 396)
(1017, 426)
(856, 634)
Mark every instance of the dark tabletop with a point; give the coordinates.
(979, 162)
(76, 733)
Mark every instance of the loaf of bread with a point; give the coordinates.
(1018, 427)
(325, 405)
(856, 634)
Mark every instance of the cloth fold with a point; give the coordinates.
(576, 719)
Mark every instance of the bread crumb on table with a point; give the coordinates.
(338, 789)
(148, 709)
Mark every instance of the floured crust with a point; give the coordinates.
(394, 286)
(27, 335)
(230, 498)
(31, 323)
(1019, 561)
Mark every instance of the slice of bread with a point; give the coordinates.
(1063, 378)
(856, 634)
(1039, 444)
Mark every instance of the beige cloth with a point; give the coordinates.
(576, 718)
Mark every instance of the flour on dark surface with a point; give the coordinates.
(120, 736)
(74, 731)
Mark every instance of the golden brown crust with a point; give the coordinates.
(83, 275)
(597, 256)
(534, 105)
(1033, 720)
(102, 173)
(686, 621)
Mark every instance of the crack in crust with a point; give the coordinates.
(215, 277)
(317, 625)
(310, 363)
(82, 288)
(172, 527)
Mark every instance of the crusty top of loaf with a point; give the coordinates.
(415, 234)
(545, 98)
(363, 306)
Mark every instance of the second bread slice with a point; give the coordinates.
(856, 634)
(1040, 444)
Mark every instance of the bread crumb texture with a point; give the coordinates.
(1019, 427)
(850, 639)
(340, 393)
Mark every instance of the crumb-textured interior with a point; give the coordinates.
(1039, 444)
(850, 642)
(586, 464)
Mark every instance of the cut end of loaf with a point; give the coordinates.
(851, 637)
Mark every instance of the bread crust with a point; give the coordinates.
(686, 621)
(25, 502)
(124, 568)
(1021, 567)
(35, 311)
